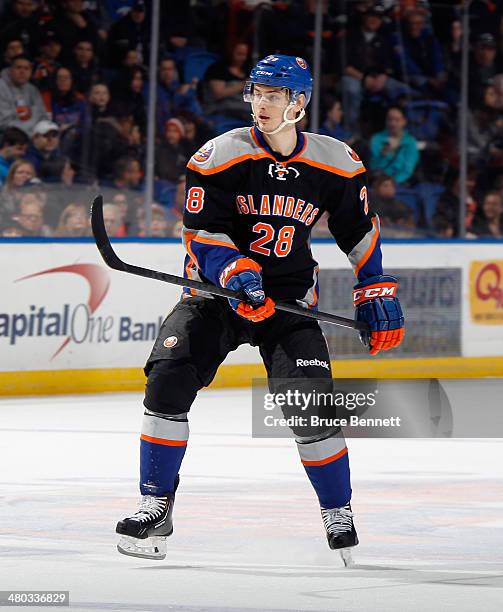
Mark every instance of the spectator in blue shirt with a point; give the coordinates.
(394, 151)
(14, 145)
(172, 97)
(332, 126)
(420, 58)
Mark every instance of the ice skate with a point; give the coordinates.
(341, 532)
(144, 533)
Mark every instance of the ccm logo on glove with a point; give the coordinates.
(374, 291)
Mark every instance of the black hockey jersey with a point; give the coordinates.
(242, 199)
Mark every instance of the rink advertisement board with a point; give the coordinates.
(430, 299)
(62, 308)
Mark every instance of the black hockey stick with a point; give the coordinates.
(113, 261)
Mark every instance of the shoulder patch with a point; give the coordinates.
(352, 154)
(205, 153)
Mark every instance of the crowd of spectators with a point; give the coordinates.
(74, 93)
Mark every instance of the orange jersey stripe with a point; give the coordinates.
(162, 441)
(228, 164)
(327, 460)
(328, 168)
(214, 242)
(368, 252)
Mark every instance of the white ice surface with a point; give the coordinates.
(248, 535)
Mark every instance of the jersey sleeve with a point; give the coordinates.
(354, 227)
(208, 221)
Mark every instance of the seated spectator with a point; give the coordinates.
(112, 219)
(332, 125)
(73, 222)
(224, 83)
(14, 145)
(172, 154)
(394, 151)
(197, 132)
(159, 227)
(130, 32)
(84, 67)
(66, 105)
(73, 23)
(12, 49)
(369, 65)
(485, 130)
(11, 229)
(44, 147)
(490, 222)
(98, 100)
(21, 173)
(127, 174)
(20, 21)
(47, 60)
(21, 105)
(384, 202)
(30, 216)
(483, 67)
(112, 137)
(128, 90)
(173, 97)
(419, 61)
(446, 218)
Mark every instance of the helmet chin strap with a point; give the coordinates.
(285, 121)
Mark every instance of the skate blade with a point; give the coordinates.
(150, 548)
(347, 557)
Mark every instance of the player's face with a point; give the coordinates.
(268, 105)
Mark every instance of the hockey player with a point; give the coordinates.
(253, 196)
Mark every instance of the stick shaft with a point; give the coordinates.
(113, 261)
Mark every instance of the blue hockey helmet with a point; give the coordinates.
(281, 71)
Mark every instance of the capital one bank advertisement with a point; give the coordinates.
(63, 308)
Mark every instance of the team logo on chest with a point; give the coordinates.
(280, 172)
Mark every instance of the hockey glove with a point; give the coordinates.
(376, 303)
(244, 276)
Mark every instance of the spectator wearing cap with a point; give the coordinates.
(21, 105)
(369, 65)
(20, 22)
(44, 149)
(172, 154)
(172, 96)
(483, 67)
(420, 61)
(47, 60)
(14, 145)
(74, 23)
(11, 49)
(394, 151)
(130, 32)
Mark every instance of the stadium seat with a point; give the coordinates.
(424, 118)
(411, 199)
(196, 64)
(429, 193)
